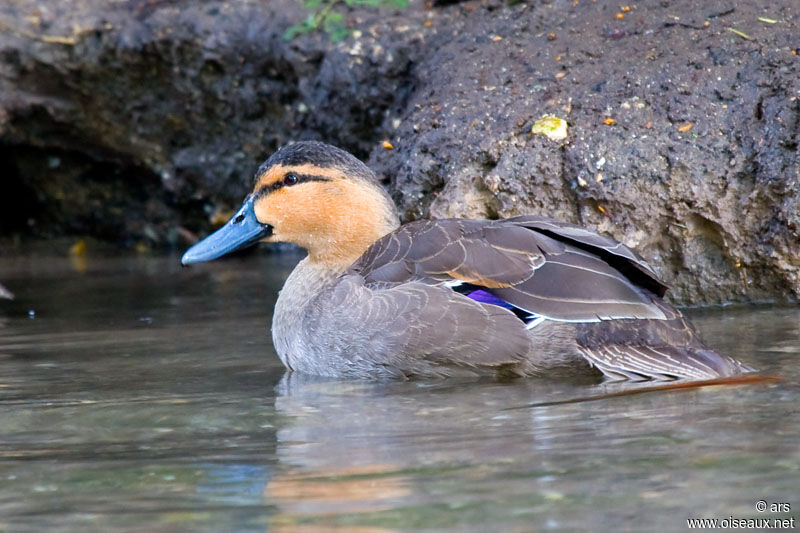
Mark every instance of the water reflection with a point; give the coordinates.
(143, 396)
(453, 454)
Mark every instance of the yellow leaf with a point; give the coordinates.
(550, 126)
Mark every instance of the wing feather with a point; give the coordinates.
(660, 362)
(653, 349)
(614, 251)
(544, 267)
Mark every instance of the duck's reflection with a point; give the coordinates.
(329, 462)
(365, 447)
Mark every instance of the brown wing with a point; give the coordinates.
(557, 271)
(614, 252)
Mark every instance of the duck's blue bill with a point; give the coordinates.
(242, 230)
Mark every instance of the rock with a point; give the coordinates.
(133, 121)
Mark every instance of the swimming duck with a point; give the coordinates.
(514, 297)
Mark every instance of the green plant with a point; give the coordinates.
(322, 16)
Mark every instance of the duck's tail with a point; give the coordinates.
(663, 362)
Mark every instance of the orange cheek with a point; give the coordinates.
(272, 212)
(294, 217)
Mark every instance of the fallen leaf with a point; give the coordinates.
(551, 126)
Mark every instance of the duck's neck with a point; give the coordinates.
(295, 301)
(306, 281)
(341, 252)
(348, 239)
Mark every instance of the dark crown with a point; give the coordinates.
(318, 154)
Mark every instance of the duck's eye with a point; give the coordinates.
(289, 179)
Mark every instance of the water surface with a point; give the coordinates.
(139, 396)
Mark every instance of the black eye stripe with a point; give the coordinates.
(301, 178)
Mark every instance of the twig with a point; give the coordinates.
(680, 385)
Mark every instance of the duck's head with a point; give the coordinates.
(311, 194)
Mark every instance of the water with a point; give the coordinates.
(140, 396)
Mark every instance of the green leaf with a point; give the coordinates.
(301, 28)
(332, 22)
(294, 30)
(311, 22)
(334, 18)
(321, 16)
(340, 34)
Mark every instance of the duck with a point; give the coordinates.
(516, 297)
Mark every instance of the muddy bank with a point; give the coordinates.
(136, 122)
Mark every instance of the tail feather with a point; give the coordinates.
(661, 362)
